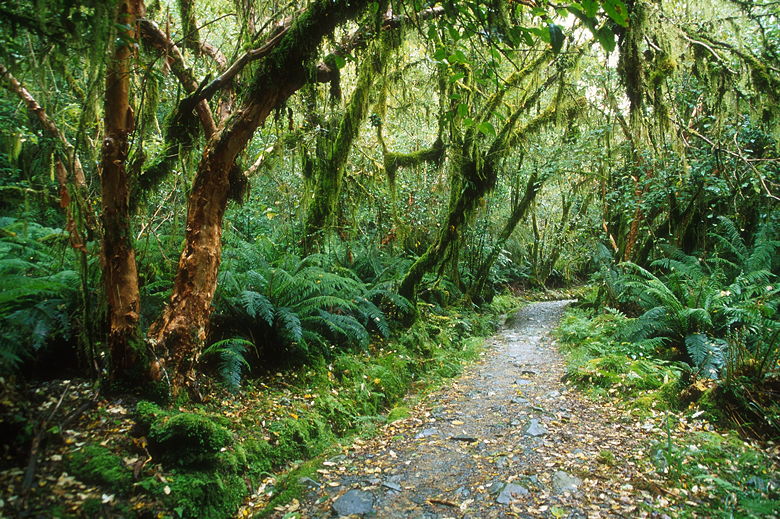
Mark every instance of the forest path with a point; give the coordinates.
(506, 439)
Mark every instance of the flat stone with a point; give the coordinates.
(425, 433)
(354, 502)
(309, 483)
(464, 438)
(535, 428)
(563, 482)
(496, 487)
(520, 400)
(522, 382)
(392, 486)
(511, 492)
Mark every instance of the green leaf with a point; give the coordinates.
(556, 37)
(456, 77)
(616, 10)
(463, 110)
(487, 129)
(606, 38)
(457, 57)
(590, 7)
(339, 61)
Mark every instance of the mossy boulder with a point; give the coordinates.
(187, 440)
(97, 465)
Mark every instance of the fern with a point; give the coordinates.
(232, 360)
(257, 306)
(39, 298)
(287, 304)
(708, 354)
(696, 302)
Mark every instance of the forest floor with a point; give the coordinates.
(508, 439)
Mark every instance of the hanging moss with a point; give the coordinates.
(189, 25)
(329, 170)
(393, 161)
(631, 64)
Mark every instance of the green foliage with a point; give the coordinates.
(97, 465)
(289, 305)
(232, 361)
(599, 359)
(40, 298)
(701, 304)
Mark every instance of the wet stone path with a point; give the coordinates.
(506, 439)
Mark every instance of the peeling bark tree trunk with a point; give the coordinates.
(178, 335)
(120, 274)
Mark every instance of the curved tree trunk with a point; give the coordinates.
(120, 274)
(518, 213)
(178, 335)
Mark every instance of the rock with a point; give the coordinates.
(522, 382)
(496, 487)
(464, 438)
(309, 483)
(354, 502)
(563, 482)
(535, 428)
(502, 462)
(520, 400)
(552, 394)
(392, 486)
(511, 492)
(425, 433)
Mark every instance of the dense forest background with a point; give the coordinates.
(196, 191)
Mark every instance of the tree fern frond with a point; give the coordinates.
(708, 355)
(257, 305)
(290, 324)
(232, 360)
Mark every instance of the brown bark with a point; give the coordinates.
(178, 335)
(120, 274)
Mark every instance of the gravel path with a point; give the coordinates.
(507, 439)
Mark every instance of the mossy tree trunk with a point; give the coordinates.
(329, 170)
(120, 274)
(519, 211)
(477, 176)
(179, 333)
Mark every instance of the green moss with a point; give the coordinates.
(145, 414)
(299, 438)
(187, 439)
(397, 413)
(97, 465)
(204, 495)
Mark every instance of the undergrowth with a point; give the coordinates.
(709, 474)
